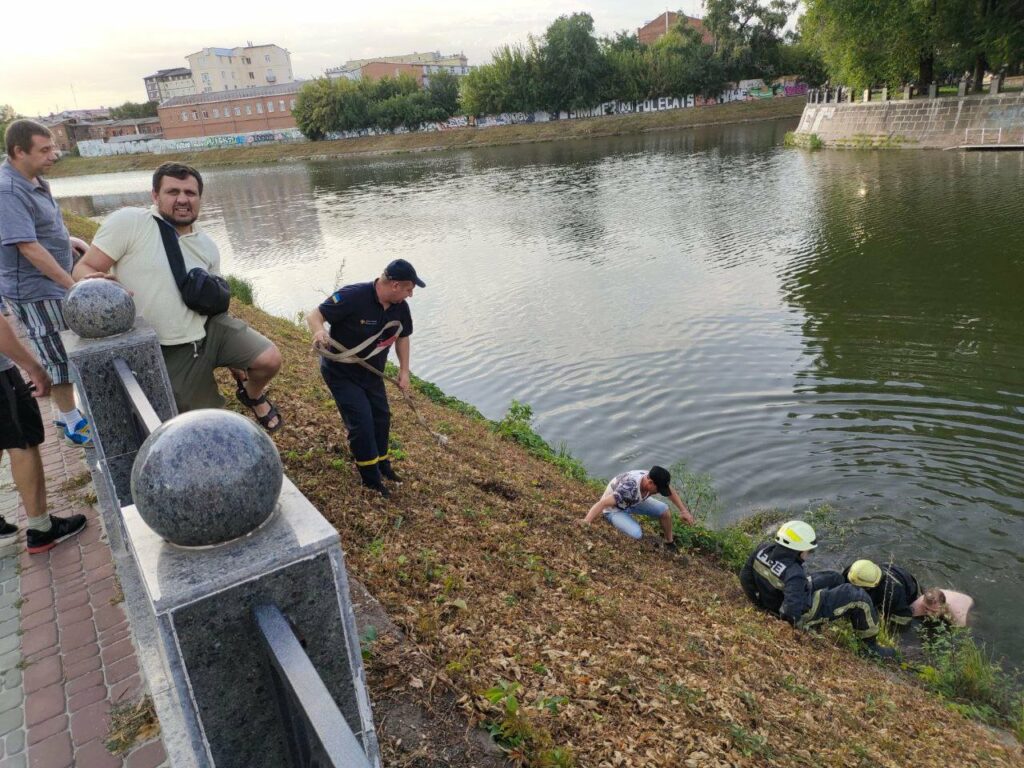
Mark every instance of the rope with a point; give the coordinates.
(351, 356)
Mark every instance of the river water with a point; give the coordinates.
(840, 327)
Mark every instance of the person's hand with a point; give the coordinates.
(582, 521)
(40, 381)
(322, 339)
(403, 381)
(79, 245)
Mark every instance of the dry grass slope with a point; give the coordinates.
(618, 655)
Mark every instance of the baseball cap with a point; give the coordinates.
(400, 269)
(661, 478)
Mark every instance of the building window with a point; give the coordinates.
(216, 113)
(195, 115)
(238, 112)
(206, 115)
(266, 57)
(184, 117)
(281, 104)
(252, 76)
(248, 109)
(270, 106)
(292, 105)
(259, 107)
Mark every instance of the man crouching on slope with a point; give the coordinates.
(628, 495)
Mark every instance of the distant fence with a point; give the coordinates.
(748, 90)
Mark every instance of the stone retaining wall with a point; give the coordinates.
(917, 124)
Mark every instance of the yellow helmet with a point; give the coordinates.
(796, 535)
(864, 573)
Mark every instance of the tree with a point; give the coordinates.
(510, 83)
(7, 116)
(572, 68)
(748, 35)
(683, 64)
(444, 92)
(132, 111)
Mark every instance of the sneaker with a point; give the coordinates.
(80, 435)
(61, 528)
(388, 472)
(7, 530)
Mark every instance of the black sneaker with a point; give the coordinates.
(7, 530)
(379, 488)
(388, 472)
(61, 528)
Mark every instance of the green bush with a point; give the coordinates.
(241, 289)
(515, 426)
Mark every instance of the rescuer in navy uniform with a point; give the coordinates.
(366, 320)
(774, 579)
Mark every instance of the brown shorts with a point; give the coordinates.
(229, 343)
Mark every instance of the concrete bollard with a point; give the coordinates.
(885, 93)
(908, 92)
(867, 95)
(933, 90)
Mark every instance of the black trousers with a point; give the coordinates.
(844, 601)
(363, 405)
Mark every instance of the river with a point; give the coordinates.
(807, 328)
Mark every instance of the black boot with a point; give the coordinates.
(388, 472)
(371, 479)
(879, 651)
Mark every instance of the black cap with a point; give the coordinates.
(400, 269)
(661, 478)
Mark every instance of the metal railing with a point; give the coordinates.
(318, 734)
(993, 136)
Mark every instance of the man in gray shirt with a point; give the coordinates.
(36, 259)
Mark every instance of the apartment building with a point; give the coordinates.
(244, 110)
(419, 65)
(654, 30)
(229, 69)
(167, 83)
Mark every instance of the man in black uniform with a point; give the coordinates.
(366, 320)
(774, 579)
(892, 589)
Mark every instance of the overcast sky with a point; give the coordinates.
(81, 54)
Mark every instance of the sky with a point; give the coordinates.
(82, 55)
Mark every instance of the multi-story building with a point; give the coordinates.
(168, 83)
(244, 110)
(72, 126)
(419, 65)
(654, 30)
(229, 69)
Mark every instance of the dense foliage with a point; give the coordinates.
(896, 41)
(132, 111)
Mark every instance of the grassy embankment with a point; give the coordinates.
(573, 645)
(467, 137)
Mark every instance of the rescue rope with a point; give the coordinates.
(339, 354)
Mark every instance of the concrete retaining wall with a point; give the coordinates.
(920, 123)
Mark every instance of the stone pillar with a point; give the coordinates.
(908, 92)
(995, 87)
(885, 93)
(933, 90)
(962, 87)
(115, 435)
(849, 95)
(867, 95)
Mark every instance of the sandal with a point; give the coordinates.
(265, 419)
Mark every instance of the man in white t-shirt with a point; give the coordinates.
(129, 242)
(629, 495)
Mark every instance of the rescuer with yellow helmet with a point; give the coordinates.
(774, 579)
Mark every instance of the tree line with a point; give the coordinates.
(570, 67)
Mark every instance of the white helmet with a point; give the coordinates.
(796, 535)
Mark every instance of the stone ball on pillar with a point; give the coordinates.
(96, 308)
(206, 477)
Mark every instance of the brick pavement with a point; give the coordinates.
(66, 652)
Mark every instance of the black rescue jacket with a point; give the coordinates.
(774, 579)
(894, 593)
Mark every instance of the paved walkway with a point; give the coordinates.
(66, 653)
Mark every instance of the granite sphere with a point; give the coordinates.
(206, 477)
(96, 308)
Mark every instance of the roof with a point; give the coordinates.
(136, 121)
(234, 95)
(172, 72)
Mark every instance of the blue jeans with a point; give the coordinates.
(625, 520)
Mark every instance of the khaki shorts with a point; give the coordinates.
(229, 343)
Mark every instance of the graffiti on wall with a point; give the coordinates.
(748, 90)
